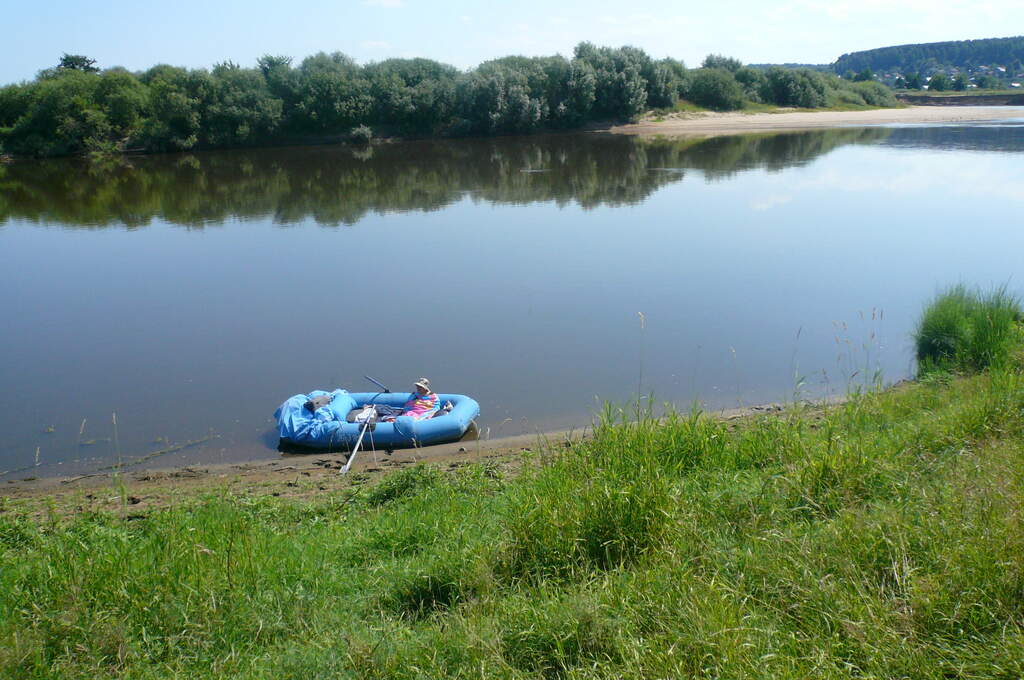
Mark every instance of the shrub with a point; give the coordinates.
(361, 134)
(844, 98)
(967, 330)
(875, 93)
(794, 87)
(715, 88)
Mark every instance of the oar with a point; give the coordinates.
(348, 463)
(355, 449)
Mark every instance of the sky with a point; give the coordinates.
(463, 33)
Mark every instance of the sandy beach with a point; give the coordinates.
(712, 123)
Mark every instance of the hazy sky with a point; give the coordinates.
(198, 34)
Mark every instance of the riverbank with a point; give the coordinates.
(711, 123)
(292, 476)
(882, 537)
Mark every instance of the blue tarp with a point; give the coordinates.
(296, 424)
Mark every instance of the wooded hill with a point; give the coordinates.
(929, 57)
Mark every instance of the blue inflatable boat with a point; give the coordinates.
(328, 427)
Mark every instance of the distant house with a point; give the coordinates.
(1014, 84)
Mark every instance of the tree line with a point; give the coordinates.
(75, 107)
(930, 57)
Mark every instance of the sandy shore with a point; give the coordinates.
(302, 475)
(710, 123)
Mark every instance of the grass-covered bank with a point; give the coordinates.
(880, 538)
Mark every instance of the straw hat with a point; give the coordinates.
(424, 383)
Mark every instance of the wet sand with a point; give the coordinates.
(711, 123)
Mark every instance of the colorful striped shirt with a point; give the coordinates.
(420, 407)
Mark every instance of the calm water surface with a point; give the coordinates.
(191, 294)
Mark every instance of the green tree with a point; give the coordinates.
(939, 82)
(241, 107)
(124, 100)
(496, 99)
(960, 82)
(620, 86)
(63, 118)
(77, 62)
(752, 80)
(715, 88)
(794, 87)
(282, 81)
(15, 101)
(719, 61)
(989, 82)
(914, 81)
(581, 90)
(864, 74)
(178, 101)
(333, 96)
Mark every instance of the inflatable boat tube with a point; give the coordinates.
(328, 430)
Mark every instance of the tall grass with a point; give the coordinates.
(964, 330)
(880, 538)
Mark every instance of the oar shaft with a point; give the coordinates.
(355, 448)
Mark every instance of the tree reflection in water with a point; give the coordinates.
(340, 185)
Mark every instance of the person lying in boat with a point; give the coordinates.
(422, 404)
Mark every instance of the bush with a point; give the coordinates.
(844, 98)
(361, 134)
(939, 82)
(14, 102)
(789, 87)
(967, 330)
(715, 88)
(875, 93)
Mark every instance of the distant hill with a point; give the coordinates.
(813, 67)
(929, 57)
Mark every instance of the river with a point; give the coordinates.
(150, 302)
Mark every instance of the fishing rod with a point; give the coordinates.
(379, 384)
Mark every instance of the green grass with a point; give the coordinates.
(880, 538)
(965, 329)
